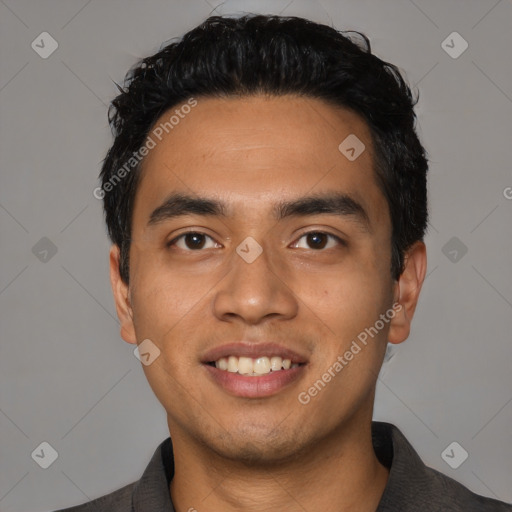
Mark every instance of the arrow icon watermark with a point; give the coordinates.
(351, 147)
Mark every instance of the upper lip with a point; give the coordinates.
(253, 350)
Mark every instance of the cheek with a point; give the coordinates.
(346, 366)
(347, 296)
(348, 304)
(162, 300)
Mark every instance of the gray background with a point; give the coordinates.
(66, 376)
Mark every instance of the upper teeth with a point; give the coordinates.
(258, 366)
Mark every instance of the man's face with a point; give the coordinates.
(199, 298)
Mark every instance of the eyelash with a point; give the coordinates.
(337, 238)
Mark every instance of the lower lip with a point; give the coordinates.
(254, 387)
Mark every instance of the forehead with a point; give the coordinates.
(252, 149)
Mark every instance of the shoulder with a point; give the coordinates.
(441, 490)
(414, 486)
(117, 501)
(150, 492)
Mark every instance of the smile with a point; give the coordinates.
(253, 367)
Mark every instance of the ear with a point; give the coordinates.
(407, 291)
(122, 297)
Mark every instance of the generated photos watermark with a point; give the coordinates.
(137, 156)
(343, 360)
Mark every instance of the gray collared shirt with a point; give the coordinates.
(411, 486)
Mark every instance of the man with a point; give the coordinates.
(266, 199)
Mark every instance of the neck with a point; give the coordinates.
(338, 474)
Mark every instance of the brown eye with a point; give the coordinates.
(191, 241)
(319, 240)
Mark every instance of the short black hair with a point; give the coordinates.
(271, 55)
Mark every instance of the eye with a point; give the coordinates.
(319, 240)
(192, 240)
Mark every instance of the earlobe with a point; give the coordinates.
(408, 291)
(121, 292)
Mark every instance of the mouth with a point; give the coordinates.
(253, 370)
(251, 367)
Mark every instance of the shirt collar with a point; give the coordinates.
(408, 476)
(151, 492)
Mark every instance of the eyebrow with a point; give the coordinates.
(343, 205)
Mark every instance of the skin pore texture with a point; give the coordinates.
(272, 452)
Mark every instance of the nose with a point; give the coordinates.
(255, 292)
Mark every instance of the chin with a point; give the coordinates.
(260, 447)
(259, 455)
